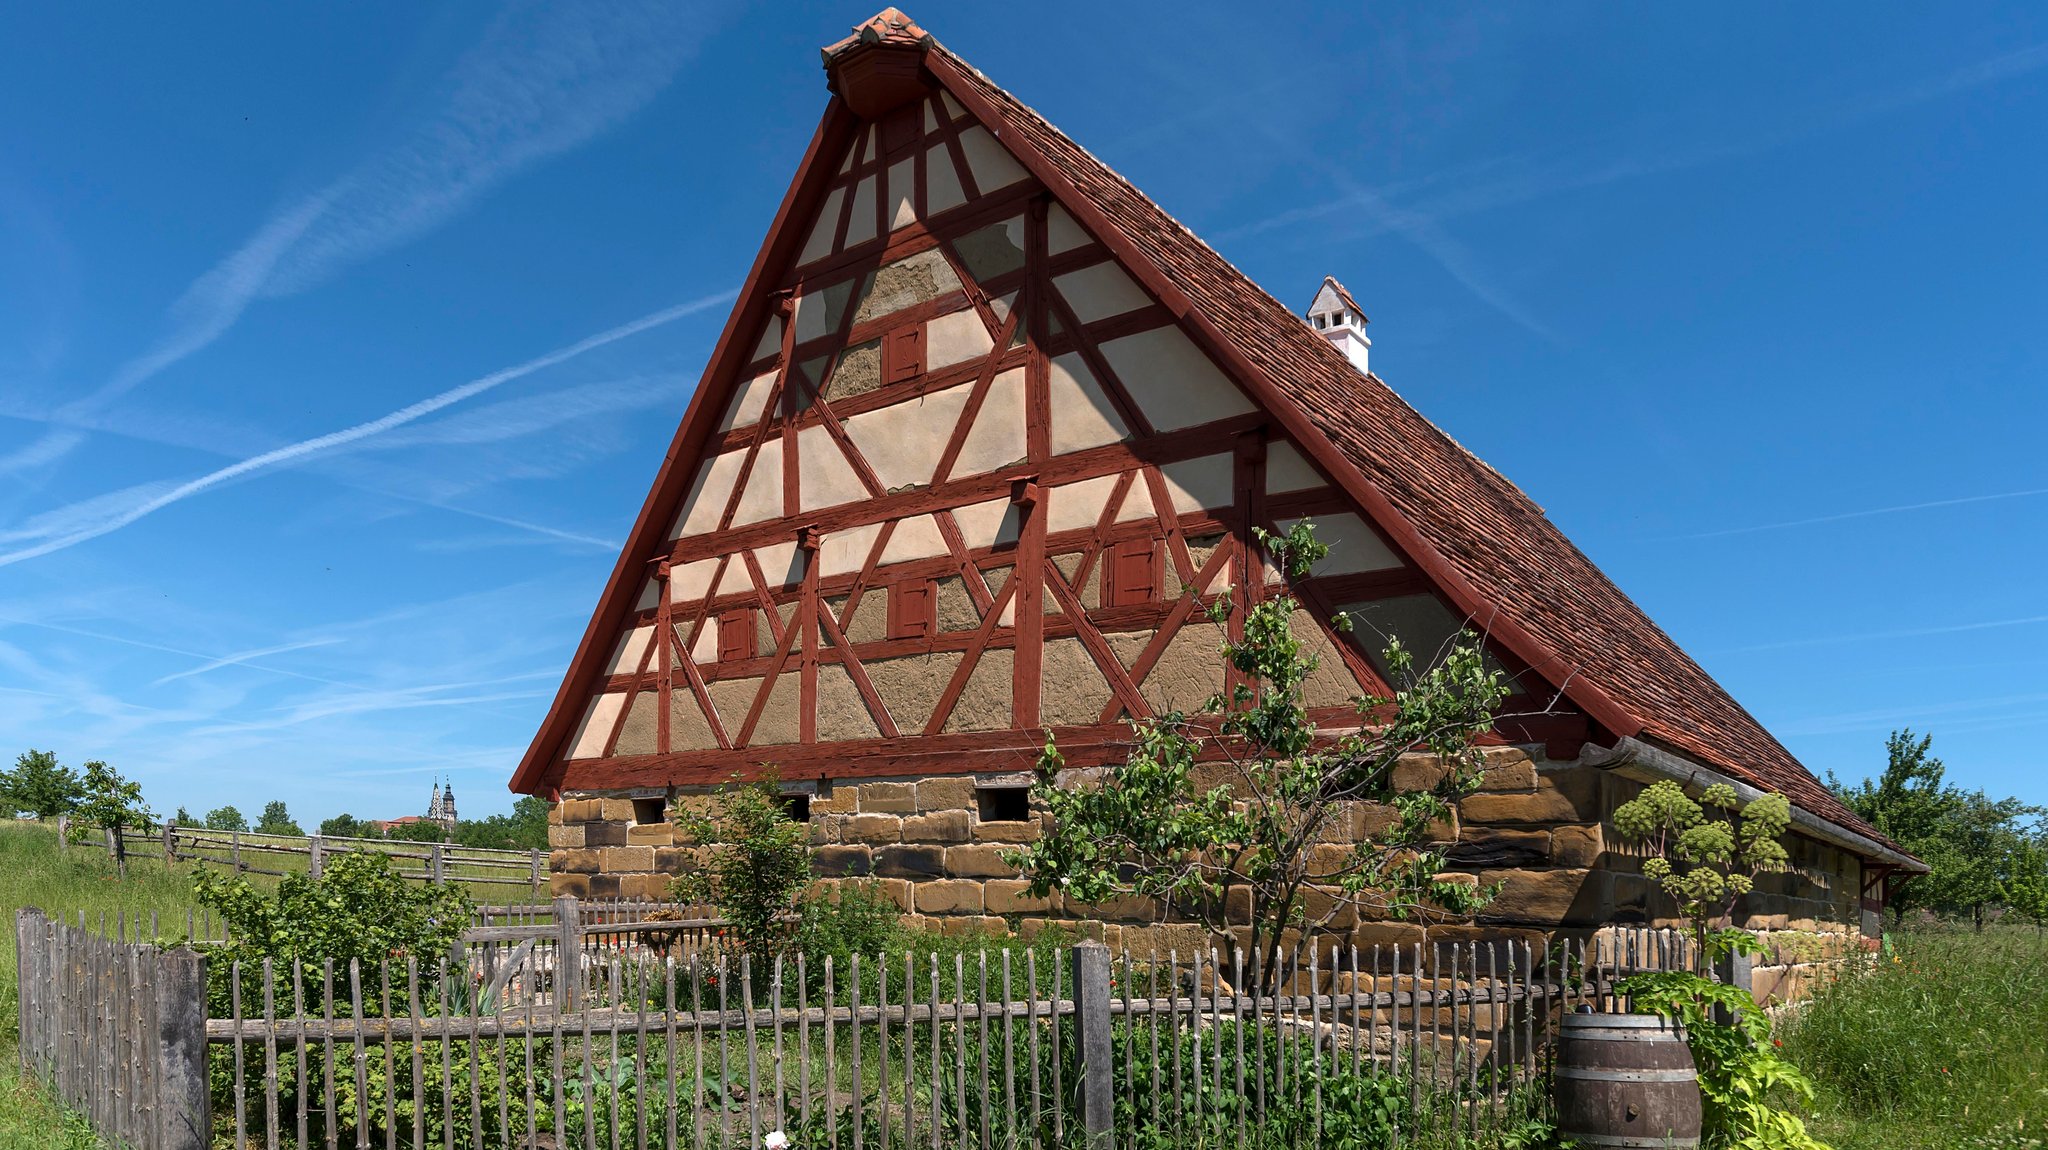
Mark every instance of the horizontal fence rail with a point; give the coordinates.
(583, 1038)
(253, 852)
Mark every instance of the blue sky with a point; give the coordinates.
(338, 345)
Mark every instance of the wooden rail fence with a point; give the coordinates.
(245, 852)
(589, 1037)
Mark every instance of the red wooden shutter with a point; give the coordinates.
(735, 635)
(1132, 576)
(903, 354)
(911, 610)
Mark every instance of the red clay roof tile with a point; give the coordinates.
(1480, 523)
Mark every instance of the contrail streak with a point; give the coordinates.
(318, 444)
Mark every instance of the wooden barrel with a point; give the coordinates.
(1626, 1080)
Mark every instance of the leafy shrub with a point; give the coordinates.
(855, 918)
(1743, 1077)
(760, 866)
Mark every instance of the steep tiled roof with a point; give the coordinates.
(1482, 526)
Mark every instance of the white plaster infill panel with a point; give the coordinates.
(860, 227)
(1062, 232)
(845, 552)
(1076, 506)
(991, 163)
(1287, 470)
(1198, 484)
(1082, 415)
(705, 649)
(1171, 381)
(942, 188)
(1100, 291)
(903, 441)
(955, 338)
(917, 537)
(984, 525)
(1354, 545)
(902, 193)
(761, 499)
(597, 726)
(824, 476)
(782, 565)
(819, 244)
(632, 645)
(771, 338)
(708, 495)
(998, 435)
(818, 312)
(691, 581)
(746, 407)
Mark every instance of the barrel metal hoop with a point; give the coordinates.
(1652, 1034)
(1588, 1074)
(1630, 1140)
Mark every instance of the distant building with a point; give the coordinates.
(440, 809)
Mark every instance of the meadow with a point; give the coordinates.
(33, 872)
(1940, 1041)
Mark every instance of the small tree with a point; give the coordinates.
(276, 820)
(345, 826)
(113, 803)
(40, 784)
(2027, 885)
(1248, 851)
(1705, 864)
(183, 818)
(226, 819)
(759, 869)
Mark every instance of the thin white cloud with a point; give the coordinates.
(1877, 636)
(242, 658)
(1471, 194)
(542, 80)
(1896, 509)
(67, 527)
(537, 528)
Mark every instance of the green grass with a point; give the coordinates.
(1941, 1043)
(33, 872)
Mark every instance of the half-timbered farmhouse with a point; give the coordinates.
(984, 434)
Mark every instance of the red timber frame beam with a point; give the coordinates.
(814, 637)
(1268, 395)
(540, 770)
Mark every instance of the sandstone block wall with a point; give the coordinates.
(1542, 829)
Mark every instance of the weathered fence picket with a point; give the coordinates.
(591, 1037)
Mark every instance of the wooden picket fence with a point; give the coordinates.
(620, 1045)
(251, 852)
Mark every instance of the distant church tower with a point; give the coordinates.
(1338, 318)
(441, 806)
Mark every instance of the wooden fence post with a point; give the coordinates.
(314, 865)
(28, 937)
(534, 860)
(185, 1109)
(63, 832)
(236, 850)
(568, 954)
(439, 865)
(170, 843)
(1091, 1019)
